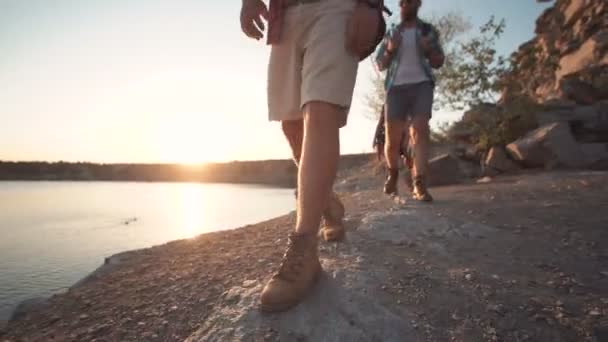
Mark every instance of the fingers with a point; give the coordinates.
(259, 23)
(251, 19)
(251, 30)
(264, 11)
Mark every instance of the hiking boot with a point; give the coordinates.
(296, 276)
(332, 231)
(334, 213)
(390, 187)
(332, 228)
(420, 192)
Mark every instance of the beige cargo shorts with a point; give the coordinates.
(310, 63)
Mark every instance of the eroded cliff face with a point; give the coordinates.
(568, 57)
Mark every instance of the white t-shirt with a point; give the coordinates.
(410, 67)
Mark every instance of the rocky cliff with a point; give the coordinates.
(568, 57)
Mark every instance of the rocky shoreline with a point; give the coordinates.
(405, 270)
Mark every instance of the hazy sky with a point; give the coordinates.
(162, 80)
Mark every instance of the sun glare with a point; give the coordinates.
(188, 141)
(192, 210)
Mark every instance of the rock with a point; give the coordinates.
(28, 305)
(574, 10)
(249, 283)
(444, 170)
(600, 334)
(484, 180)
(337, 310)
(548, 146)
(595, 154)
(595, 313)
(498, 161)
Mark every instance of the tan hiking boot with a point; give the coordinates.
(420, 192)
(335, 209)
(332, 227)
(332, 231)
(296, 276)
(390, 187)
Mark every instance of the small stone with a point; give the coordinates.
(495, 277)
(249, 283)
(84, 316)
(468, 277)
(141, 324)
(595, 313)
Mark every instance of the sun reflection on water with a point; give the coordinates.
(192, 205)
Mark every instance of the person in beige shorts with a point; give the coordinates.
(311, 78)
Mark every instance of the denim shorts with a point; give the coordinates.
(405, 101)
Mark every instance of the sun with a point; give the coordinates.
(188, 142)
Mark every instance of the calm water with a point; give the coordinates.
(54, 233)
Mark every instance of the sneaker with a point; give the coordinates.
(296, 276)
(420, 192)
(390, 187)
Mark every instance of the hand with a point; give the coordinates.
(394, 41)
(252, 13)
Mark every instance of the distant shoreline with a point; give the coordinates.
(281, 173)
(278, 173)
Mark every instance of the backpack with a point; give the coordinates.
(366, 27)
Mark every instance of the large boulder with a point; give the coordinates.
(445, 170)
(589, 124)
(551, 145)
(596, 155)
(498, 162)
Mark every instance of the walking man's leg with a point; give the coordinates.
(316, 173)
(332, 224)
(311, 78)
(421, 136)
(394, 134)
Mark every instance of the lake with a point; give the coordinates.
(52, 234)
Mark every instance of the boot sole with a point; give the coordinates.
(281, 307)
(333, 235)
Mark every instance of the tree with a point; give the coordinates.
(472, 75)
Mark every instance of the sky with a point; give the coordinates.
(149, 81)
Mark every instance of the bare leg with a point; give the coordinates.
(318, 164)
(294, 132)
(333, 229)
(394, 134)
(421, 134)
